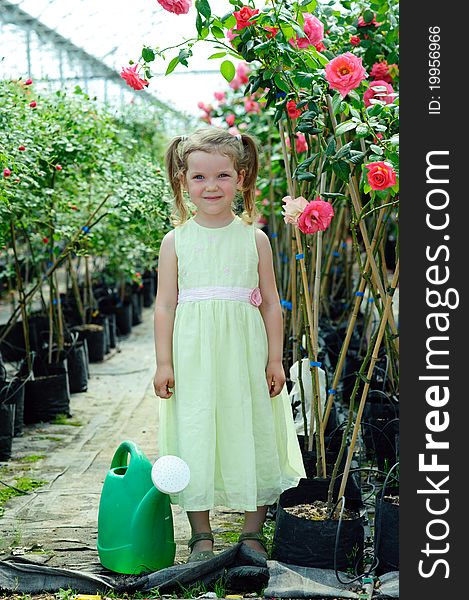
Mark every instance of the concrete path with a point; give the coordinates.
(57, 523)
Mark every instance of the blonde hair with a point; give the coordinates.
(241, 149)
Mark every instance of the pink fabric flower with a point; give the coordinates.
(380, 175)
(314, 31)
(387, 95)
(293, 208)
(230, 119)
(317, 216)
(345, 73)
(380, 70)
(220, 96)
(132, 78)
(178, 7)
(255, 297)
(250, 106)
(242, 17)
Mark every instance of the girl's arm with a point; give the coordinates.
(271, 313)
(165, 308)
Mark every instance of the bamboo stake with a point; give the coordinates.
(374, 358)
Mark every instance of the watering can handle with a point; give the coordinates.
(120, 456)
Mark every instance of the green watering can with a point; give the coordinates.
(135, 522)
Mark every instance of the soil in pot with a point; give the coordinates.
(46, 397)
(386, 536)
(95, 337)
(304, 537)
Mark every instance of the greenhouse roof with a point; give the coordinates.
(107, 33)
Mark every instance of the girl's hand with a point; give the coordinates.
(163, 380)
(275, 378)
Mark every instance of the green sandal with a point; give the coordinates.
(254, 535)
(205, 554)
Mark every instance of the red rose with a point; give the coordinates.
(316, 216)
(33, 104)
(363, 23)
(132, 78)
(230, 119)
(21, 148)
(58, 167)
(380, 175)
(6, 172)
(319, 46)
(242, 17)
(45, 240)
(293, 112)
(355, 40)
(28, 82)
(272, 31)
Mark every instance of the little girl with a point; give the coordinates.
(218, 339)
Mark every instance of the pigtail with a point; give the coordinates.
(174, 169)
(250, 164)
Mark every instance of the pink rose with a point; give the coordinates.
(374, 92)
(314, 31)
(178, 7)
(292, 111)
(265, 202)
(380, 70)
(380, 175)
(293, 208)
(317, 216)
(234, 131)
(242, 71)
(301, 145)
(250, 106)
(362, 23)
(230, 119)
(132, 78)
(242, 17)
(230, 35)
(255, 297)
(319, 46)
(345, 73)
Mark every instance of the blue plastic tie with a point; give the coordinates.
(49, 264)
(313, 363)
(344, 245)
(54, 301)
(361, 294)
(85, 228)
(288, 305)
(336, 254)
(332, 391)
(280, 94)
(274, 235)
(285, 259)
(371, 299)
(298, 256)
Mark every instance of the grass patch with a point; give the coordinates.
(63, 419)
(31, 458)
(23, 484)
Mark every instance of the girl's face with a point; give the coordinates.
(211, 181)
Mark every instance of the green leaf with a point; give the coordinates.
(304, 79)
(217, 55)
(203, 7)
(148, 55)
(336, 100)
(333, 195)
(345, 126)
(172, 65)
(305, 176)
(376, 149)
(184, 54)
(368, 16)
(341, 169)
(280, 83)
(331, 146)
(199, 23)
(362, 130)
(229, 20)
(227, 69)
(218, 33)
(356, 156)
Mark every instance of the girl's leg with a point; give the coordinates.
(253, 522)
(200, 523)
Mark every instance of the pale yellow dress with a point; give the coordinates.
(240, 444)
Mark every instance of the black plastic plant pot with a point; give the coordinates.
(7, 429)
(96, 340)
(309, 543)
(13, 346)
(112, 330)
(380, 427)
(124, 318)
(386, 536)
(149, 291)
(46, 397)
(77, 368)
(137, 304)
(104, 321)
(12, 392)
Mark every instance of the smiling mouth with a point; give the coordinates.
(214, 198)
